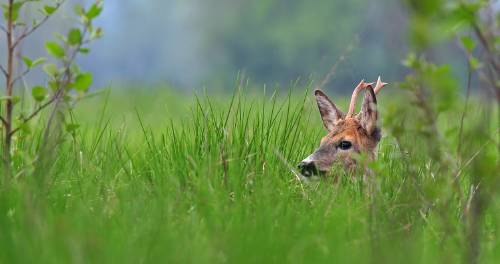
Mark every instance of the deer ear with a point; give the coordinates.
(368, 116)
(330, 114)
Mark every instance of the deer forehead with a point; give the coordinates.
(346, 129)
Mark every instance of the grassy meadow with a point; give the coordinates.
(162, 176)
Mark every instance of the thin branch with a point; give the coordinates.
(340, 60)
(22, 75)
(57, 95)
(486, 45)
(468, 162)
(493, 87)
(35, 113)
(2, 28)
(2, 119)
(3, 71)
(28, 32)
(489, 76)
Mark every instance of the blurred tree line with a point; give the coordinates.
(196, 43)
(278, 41)
(192, 43)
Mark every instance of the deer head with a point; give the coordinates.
(348, 134)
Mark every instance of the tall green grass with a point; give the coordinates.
(161, 177)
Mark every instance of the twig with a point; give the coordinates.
(3, 71)
(65, 81)
(341, 59)
(485, 43)
(24, 73)
(4, 122)
(28, 32)
(457, 175)
(35, 113)
(58, 93)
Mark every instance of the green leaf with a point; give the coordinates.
(31, 64)
(474, 63)
(468, 43)
(94, 11)
(28, 62)
(84, 50)
(49, 10)
(72, 127)
(39, 93)
(16, 99)
(5, 11)
(38, 61)
(83, 82)
(25, 128)
(61, 37)
(97, 33)
(75, 69)
(466, 12)
(74, 37)
(50, 69)
(79, 10)
(55, 49)
(53, 85)
(410, 61)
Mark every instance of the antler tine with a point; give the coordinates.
(379, 85)
(362, 85)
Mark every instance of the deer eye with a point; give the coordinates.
(345, 145)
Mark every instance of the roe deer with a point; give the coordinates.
(348, 134)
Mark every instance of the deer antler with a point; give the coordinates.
(379, 85)
(362, 85)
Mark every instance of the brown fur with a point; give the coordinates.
(348, 129)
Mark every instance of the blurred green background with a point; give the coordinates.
(191, 44)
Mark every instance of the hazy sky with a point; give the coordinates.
(150, 42)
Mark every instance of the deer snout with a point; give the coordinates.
(307, 168)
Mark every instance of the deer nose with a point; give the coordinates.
(307, 168)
